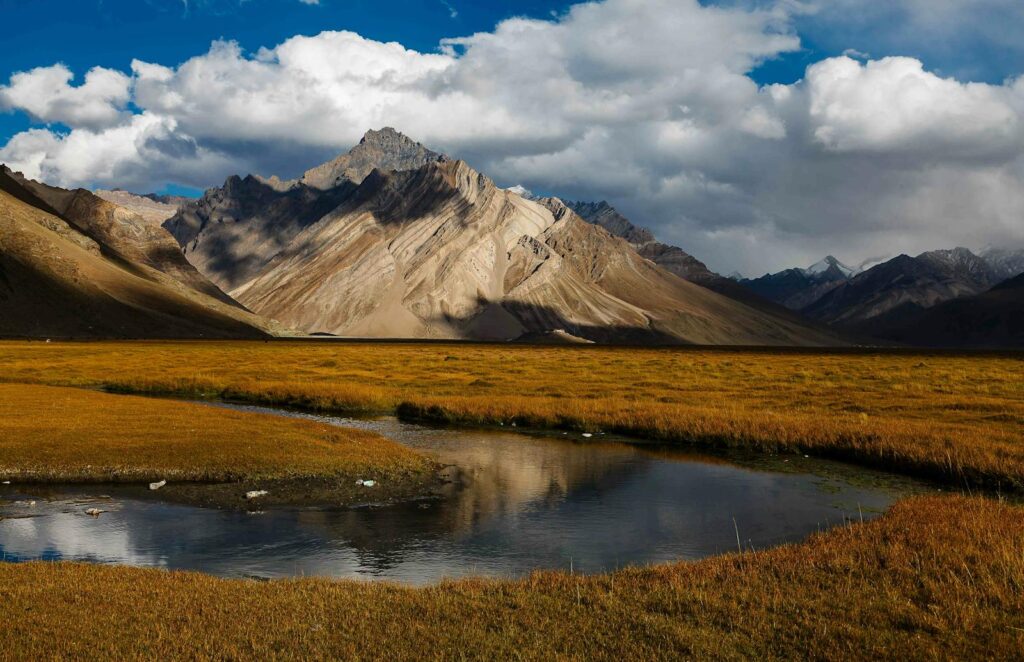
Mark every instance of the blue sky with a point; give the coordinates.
(757, 134)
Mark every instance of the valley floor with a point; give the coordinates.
(207, 455)
(935, 578)
(958, 419)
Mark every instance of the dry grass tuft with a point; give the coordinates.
(935, 578)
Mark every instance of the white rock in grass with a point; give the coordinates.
(256, 494)
(369, 483)
(587, 435)
(157, 486)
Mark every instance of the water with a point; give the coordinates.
(527, 502)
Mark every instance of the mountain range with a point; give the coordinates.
(393, 239)
(879, 296)
(396, 240)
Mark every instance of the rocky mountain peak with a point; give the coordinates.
(831, 267)
(385, 150)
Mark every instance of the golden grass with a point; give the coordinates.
(935, 578)
(72, 435)
(955, 418)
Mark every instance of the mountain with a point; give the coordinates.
(609, 218)
(903, 283)
(425, 246)
(154, 209)
(1006, 263)
(122, 232)
(830, 265)
(992, 319)
(797, 289)
(383, 150)
(85, 279)
(674, 259)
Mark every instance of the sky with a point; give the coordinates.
(755, 134)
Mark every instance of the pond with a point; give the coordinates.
(523, 502)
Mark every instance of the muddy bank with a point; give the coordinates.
(258, 495)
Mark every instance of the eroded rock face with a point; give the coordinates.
(423, 246)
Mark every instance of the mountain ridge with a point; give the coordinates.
(425, 246)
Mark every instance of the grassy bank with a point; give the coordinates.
(69, 435)
(955, 418)
(935, 578)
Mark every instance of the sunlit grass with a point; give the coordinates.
(935, 578)
(72, 435)
(955, 418)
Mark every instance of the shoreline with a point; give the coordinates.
(933, 577)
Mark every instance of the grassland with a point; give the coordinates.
(959, 419)
(935, 578)
(67, 435)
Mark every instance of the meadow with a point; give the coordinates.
(934, 578)
(67, 435)
(953, 418)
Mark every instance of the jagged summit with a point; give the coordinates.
(386, 149)
(832, 266)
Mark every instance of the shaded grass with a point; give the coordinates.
(935, 578)
(959, 419)
(72, 435)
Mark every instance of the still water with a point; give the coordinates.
(524, 502)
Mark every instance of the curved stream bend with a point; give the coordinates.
(525, 502)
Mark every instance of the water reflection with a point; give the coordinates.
(522, 503)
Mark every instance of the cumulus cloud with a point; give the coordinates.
(895, 105)
(647, 103)
(46, 94)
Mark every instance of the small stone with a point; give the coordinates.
(587, 435)
(94, 512)
(256, 494)
(157, 486)
(369, 483)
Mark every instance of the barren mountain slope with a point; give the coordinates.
(56, 282)
(122, 232)
(989, 320)
(231, 233)
(674, 259)
(440, 251)
(152, 209)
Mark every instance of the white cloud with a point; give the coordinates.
(644, 102)
(894, 105)
(45, 93)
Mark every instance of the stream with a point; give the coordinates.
(524, 502)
